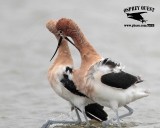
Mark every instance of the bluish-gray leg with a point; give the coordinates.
(127, 114)
(78, 116)
(105, 124)
(86, 119)
(118, 119)
(50, 122)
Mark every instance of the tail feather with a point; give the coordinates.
(140, 93)
(95, 111)
(139, 79)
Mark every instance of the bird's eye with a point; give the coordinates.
(60, 31)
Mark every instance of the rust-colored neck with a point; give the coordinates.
(87, 52)
(64, 54)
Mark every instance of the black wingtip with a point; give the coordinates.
(139, 80)
(96, 112)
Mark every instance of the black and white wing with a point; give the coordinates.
(112, 74)
(94, 110)
(120, 80)
(69, 84)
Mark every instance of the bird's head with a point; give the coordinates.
(68, 27)
(51, 25)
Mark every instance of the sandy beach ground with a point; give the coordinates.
(26, 46)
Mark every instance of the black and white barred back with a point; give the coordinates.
(113, 74)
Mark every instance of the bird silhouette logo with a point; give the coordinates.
(136, 16)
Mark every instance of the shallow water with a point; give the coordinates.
(26, 98)
(94, 124)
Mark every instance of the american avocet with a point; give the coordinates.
(102, 80)
(60, 78)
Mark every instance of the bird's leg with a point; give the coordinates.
(118, 119)
(106, 123)
(78, 116)
(86, 119)
(114, 106)
(50, 122)
(127, 114)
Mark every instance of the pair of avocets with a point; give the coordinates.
(98, 82)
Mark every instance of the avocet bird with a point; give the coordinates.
(60, 78)
(102, 79)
